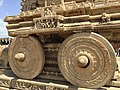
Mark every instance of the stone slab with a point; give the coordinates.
(3, 88)
(7, 82)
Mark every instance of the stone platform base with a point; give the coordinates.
(12, 83)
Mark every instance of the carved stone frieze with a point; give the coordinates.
(5, 82)
(28, 5)
(32, 85)
(27, 86)
(48, 11)
(48, 23)
(105, 17)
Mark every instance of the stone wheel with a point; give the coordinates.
(87, 60)
(26, 57)
(4, 56)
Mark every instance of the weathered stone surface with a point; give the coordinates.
(7, 82)
(2, 88)
(51, 22)
(100, 64)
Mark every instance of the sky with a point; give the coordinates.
(7, 8)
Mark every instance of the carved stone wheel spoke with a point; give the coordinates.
(26, 57)
(87, 60)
